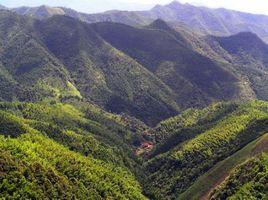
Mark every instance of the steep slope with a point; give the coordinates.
(204, 20)
(63, 58)
(105, 75)
(31, 71)
(195, 79)
(173, 172)
(39, 12)
(59, 151)
(204, 186)
(176, 130)
(151, 73)
(33, 166)
(247, 181)
(248, 55)
(37, 64)
(44, 12)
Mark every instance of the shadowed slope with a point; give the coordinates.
(194, 78)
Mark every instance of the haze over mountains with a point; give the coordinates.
(162, 104)
(201, 19)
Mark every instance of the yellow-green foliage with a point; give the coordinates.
(34, 166)
(205, 183)
(176, 170)
(60, 151)
(190, 118)
(247, 181)
(85, 129)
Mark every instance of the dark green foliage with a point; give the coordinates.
(32, 69)
(60, 146)
(249, 53)
(173, 172)
(195, 79)
(247, 181)
(153, 70)
(150, 73)
(104, 74)
(11, 125)
(53, 145)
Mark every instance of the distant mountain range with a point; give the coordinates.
(221, 22)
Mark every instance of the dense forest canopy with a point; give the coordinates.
(139, 106)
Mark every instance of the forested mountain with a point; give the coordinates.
(55, 150)
(122, 68)
(58, 151)
(255, 171)
(54, 59)
(106, 110)
(195, 79)
(219, 22)
(196, 141)
(250, 55)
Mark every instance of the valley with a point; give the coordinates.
(140, 106)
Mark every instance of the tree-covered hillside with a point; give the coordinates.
(248, 181)
(151, 73)
(249, 55)
(110, 111)
(105, 75)
(196, 148)
(63, 58)
(77, 150)
(195, 79)
(58, 151)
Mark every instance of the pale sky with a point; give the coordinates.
(93, 6)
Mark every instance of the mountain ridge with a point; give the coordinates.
(210, 21)
(112, 111)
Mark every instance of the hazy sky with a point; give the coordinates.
(91, 6)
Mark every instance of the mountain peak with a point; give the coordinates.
(175, 4)
(51, 10)
(41, 12)
(44, 6)
(160, 24)
(247, 38)
(247, 34)
(243, 42)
